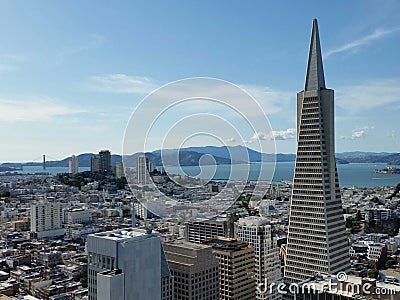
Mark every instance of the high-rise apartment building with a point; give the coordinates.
(105, 161)
(195, 270)
(95, 164)
(129, 264)
(73, 165)
(46, 219)
(236, 268)
(317, 242)
(119, 170)
(142, 169)
(257, 231)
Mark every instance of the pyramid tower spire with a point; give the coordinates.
(316, 240)
(315, 79)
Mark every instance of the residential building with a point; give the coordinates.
(142, 169)
(46, 219)
(77, 215)
(95, 164)
(380, 214)
(105, 161)
(369, 252)
(73, 165)
(119, 170)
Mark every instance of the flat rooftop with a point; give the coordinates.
(253, 221)
(122, 234)
(186, 245)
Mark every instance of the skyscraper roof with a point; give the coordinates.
(315, 79)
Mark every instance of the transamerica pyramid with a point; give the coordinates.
(317, 241)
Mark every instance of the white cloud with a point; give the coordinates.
(352, 46)
(5, 68)
(272, 101)
(393, 135)
(123, 84)
(360, 132)
(93, 41)
(40, 109)
(287, 134)
(10, 62)
(369, 95)
(262, 136)
(230, 140)
(356, 134)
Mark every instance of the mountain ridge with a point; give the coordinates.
(191, 156)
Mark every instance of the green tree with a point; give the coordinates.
(349, 222)
(245, 200)
(83, 281)
(390, 263)
(358, 216)
(5, 194)
(371, 223)
(373, 273)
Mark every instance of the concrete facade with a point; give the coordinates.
(46, 219)
(317, 242)
(236, 268)
(137, 254)
(204, 230)
(73, 165)
(195, 270)
(257, 231)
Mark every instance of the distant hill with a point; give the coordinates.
(361, 154)
(83, 160)
(242, 154)
(371, 157)
(186, 158)
(222, 155)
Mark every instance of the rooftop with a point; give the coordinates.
(228, 244)
(187, 245)
(122, 234)
(253, 221)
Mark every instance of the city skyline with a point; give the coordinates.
(72, 86)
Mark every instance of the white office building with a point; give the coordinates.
(127, 264)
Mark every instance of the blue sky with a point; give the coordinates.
(72, 72)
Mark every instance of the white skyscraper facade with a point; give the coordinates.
(317, 240)
(129, 264)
